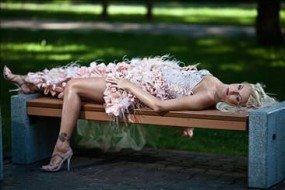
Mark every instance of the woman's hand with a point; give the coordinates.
(188, 132)
(119, 83)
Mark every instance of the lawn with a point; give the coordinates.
(202, 13)
(230, 59)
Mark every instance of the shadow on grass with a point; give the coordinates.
(231, 60)
(137, 18)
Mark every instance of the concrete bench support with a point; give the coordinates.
(33, 138)
(1, 149)
(266, 165)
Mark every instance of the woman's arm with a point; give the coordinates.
(198, 101)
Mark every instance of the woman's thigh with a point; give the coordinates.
(89, 88)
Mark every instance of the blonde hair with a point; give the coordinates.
(258, 98)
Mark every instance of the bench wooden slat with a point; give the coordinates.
(147, 119)
(215, 119)
(46, 102)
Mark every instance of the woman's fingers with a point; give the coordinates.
(114, 86)
(113, 80)
(110, 80)
(116, 82)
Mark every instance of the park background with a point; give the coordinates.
(232, 58)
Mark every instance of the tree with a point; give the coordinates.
(149, 5)
(104, 13)
(268, 29)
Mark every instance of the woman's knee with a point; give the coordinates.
(72, 85)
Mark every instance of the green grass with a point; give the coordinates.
(230, 59)
(221, 14)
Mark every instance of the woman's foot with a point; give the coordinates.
(18, 80)
(62, 152)
(57, 160)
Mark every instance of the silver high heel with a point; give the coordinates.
(64, 157)
(20, 88)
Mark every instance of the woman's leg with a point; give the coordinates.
(75, 90)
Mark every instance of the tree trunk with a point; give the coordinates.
(104, 13)
(149, 5)
(268, 29)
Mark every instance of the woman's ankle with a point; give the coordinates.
(62, 147)
(62, 144)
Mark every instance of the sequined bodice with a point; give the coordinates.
(181, 82)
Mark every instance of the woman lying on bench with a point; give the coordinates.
(159, 83)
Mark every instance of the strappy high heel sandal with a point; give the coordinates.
(17, 80)
(54, 167)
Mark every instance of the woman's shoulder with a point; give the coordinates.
(209, 95)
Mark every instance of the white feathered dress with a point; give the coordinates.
(162, 77)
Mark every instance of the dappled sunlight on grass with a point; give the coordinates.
(214, 46)
(279, 63)
(203, 11)
(229, 59)
(127, 9)
(231, 67)
(53, 7)
(231, 20)
(41, 47)
(54, 57)
(269, 54)
(282, 16)
(208, 42)
(37, 52)
(99, 53)
(177, 49)
(233, 14)
(38, 57)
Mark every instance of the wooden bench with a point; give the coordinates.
(213, 119)
(35, 124)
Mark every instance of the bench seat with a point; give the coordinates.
(213, 119)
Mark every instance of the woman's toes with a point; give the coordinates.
(45, 167)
